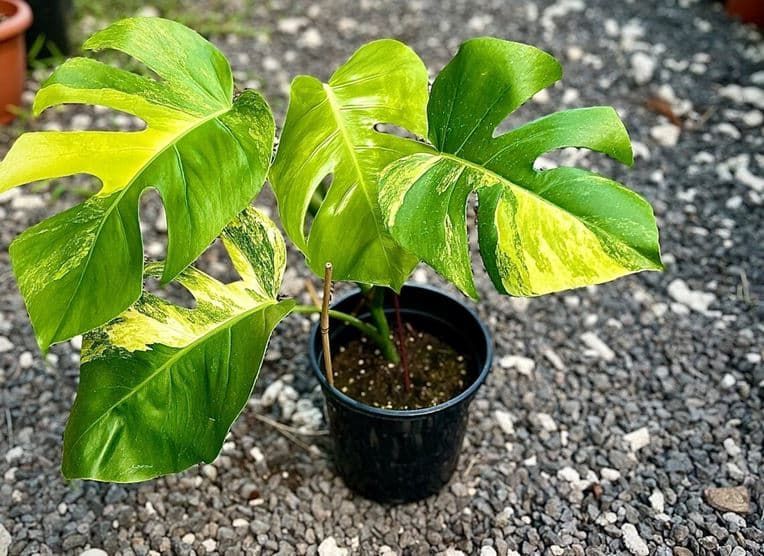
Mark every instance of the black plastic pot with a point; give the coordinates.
(50, 27)
(399, 456)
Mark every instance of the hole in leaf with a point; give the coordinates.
(319, 194)
(390, 129)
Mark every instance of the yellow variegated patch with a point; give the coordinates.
(161, 384)
(539, 231)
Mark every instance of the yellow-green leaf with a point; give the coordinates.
(206, 153)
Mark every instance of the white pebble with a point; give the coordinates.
(210, 545)
(188, 538)
(13, 454)
(554, 359)
(642, 68)
(637, 439)
(257, 454)
(744, 176)
(657, 501)
(26, 360)
(505, 421)
(76, 342)
(311, 38)
(754, 118)
(743, 95)
(486, 550)
(733, 450)
(594, 343)
(634, 543)
(524, 365)
(610, 474)
(665, 134)
(240, 522)
(148, 11)
(728, 381)
(5, 344)
(291, 25)
(546, 422)
(726, 128)
(328, 547)
(27, 202)
(530, 462)
(210, 472)
(696, 300)
(271, 393)
(569, 474)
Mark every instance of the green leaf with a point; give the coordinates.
(161, 384)
(330, 129)
(539, 231)
(206, 154)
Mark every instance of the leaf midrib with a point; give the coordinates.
(172, 143)
(349, 146)
(533, 194)
(182, 352)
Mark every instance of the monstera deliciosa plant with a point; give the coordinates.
(161, 384)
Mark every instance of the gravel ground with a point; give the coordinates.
(610, 410)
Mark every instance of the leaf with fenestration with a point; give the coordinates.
(205, 153)
(539, 231)
(161, 384)
(330, 129)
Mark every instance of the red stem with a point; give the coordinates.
(402, 343)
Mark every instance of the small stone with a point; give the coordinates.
(487, 550)
(311, 38)
(634, 543)
(505, 421)
(530, 462)
(5, 540)
(593, 342)
(728, 381)
(729, 499)
(569, 474)
(642, 68)
(148, 11)
(459, 490)
(14, 453)
(328, 547)
(94, 552)
(210, 472)
(546, 422)
(5, 344)
(271, 393)
(188, 538)
(696, 300)
(754, 118)
(726, 128)
(291, 25)
(744, 95)
(610, 474)
(554, 359)
(734, 519)
(524, 365)
(657, 501)
(682, 551)
(240, 522)
(27, 202)
(637, 439)
(26, 360)
(744, 176)
(210, 545)
(76, 342)
(257, 454)
(665, 134)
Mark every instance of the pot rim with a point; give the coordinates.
(360, 407)
(16, 23)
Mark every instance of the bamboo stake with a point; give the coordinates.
(325, 323)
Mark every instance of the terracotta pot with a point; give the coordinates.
(17, 17)
(749, 11)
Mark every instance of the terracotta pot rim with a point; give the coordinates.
(17, 23)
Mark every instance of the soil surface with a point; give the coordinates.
(610, 412)
(437, 371)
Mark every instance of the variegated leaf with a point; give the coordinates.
(205, 153)
(330, 129)
(161, 384)
(539, 231)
